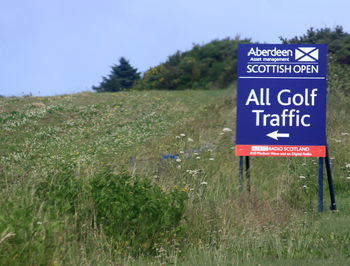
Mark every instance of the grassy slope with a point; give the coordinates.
(43, 138)
(277, 223)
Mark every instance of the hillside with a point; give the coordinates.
(54, 149)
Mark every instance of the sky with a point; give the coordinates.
(53, 47)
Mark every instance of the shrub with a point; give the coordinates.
(337, 76)
(26, 236)
(209, 66)
(61, 190)
(137, 214)
(338, 41)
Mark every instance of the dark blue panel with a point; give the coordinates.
(281, 88)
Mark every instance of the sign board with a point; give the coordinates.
(281, 100)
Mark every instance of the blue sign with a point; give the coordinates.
(281, 100)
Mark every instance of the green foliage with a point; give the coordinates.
(122, 77)
(61, 190)
(338, 41)
(24, 232)
(210, 66)
(139, 215)
(338, 77)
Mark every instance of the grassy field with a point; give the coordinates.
(52, 147)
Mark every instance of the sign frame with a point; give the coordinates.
(281, 100)
(282, 66)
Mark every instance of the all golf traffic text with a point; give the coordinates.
(285, 97)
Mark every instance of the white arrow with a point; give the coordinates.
(275, 135)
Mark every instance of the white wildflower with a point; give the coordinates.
(344, 134)
(182, 152)
(178, 160)
(347, 165)
(222, 133)
(193, 172)
(177, 137)
(211, 159)
(179, 166)
(226, 129)
(195, 153)
(198, 157)
(182, 135)
(304, 186)
(204, 183)
(190, 140)
(302, 177)
(348, 178)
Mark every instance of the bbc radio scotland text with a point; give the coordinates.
(280, 148)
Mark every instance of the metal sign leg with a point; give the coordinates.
(320, 185)
(240, 173)
(247, 171)
(333, 206)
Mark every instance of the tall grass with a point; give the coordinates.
(53, 148)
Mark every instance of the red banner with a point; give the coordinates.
(281, 150)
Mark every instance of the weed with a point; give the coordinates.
(137, 214)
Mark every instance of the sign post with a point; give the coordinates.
(281, 101)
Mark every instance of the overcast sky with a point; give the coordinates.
(50, 47)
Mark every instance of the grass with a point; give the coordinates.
(63, 143)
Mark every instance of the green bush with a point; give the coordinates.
(338, 41)
(209, 66)
(137, 214)
(338, 77)
(61, 190)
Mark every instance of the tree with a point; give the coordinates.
(338, 41)
(209, 66)
(122, 77)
